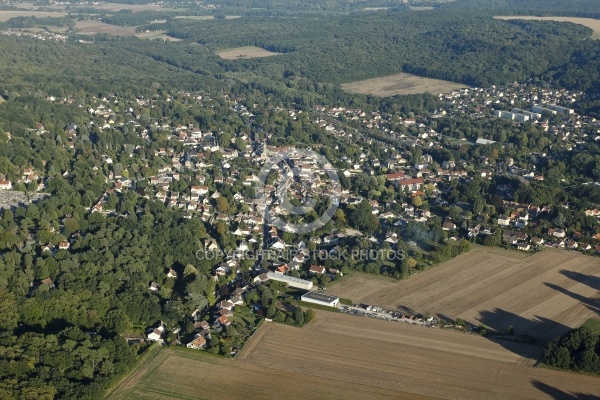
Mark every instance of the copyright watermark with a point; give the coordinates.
(302, 175)
(304, 255)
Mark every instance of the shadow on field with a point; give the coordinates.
(589, 280)
(592, 303)
(522, 336)
(558, 394)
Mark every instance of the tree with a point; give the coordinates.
(417, 201)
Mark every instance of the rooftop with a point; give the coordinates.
(320, 297)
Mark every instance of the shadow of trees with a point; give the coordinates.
(558, 394)
(589, 280)
(523, 336)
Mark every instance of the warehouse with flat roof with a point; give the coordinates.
(320, 298)
(291, 281)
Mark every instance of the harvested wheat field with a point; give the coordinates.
(401, 83)
(245, 52)
(409, 360)
(591, 23)
(185, 374)
(90, 27)
(543, 295)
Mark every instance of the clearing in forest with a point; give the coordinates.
(401, 83)
(91, 27)
(245, 52)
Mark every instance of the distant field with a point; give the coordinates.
(401, 83)
(109, 7)
(543, 295)
(245, 52)
(89, 27)
(6, 15)
(157, 35)
(204, 17)
(409, 361)
(180, 374)
(594, 24)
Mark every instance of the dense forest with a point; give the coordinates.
(473, 49)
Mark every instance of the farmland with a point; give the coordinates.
(543, 295)
(6, 15)
(107, 7)
(191, 374)
(401, 83)
(157, 35)
(412, 361)
(591, 23)
(245, 52)
(91, 27)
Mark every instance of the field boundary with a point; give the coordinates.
(150, 354)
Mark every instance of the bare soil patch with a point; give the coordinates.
(90, 27)
(542, 296)
(592, 23)
(245, 52)
(401, 83)
(409, 360)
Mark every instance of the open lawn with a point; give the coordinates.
(592, 23)
(6, 15)
(543, 295)
(401, 83)
(157, 35)
(410, 361)
(90, 27)
(245, 52)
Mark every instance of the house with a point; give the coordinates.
(201, 326)
(224, 321)
(524, 246)
(198, 343)
(156, 334)
(226, 305)
(449, 226)
(503, 220)
(154, 287)
(557, 232)
(5, 185)
(64, 245)
(316, 269)
(172, 273)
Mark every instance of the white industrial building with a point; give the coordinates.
(560, 109)
(530, 114)
(320, 298)
(511, 115)
(553, 109)
(291, 281)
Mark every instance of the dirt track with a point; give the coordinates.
(413, 361)
(543, 295)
